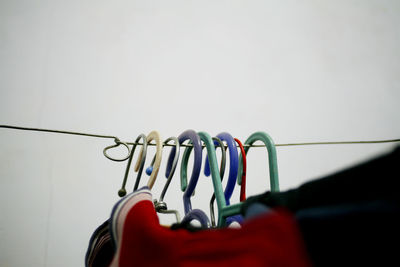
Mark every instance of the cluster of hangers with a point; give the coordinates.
(198, 141)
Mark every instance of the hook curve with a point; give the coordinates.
(272, 159)
(117, 143)
(226, 211)
(153, 135)
(233, 165)
(170, 173)
(141, 159)
(195, 139)
(207, 171)
(244, 170)
(160, 205)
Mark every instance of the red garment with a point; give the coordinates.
(270, 240)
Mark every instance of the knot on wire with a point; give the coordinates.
(117, 144)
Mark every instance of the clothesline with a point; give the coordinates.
(117, 140)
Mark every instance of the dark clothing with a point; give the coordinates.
(100, 250)
(373, 180)
(351, 218)
(362, 234)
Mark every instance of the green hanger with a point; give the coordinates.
(216, 178)
(185, 160)
(273, 165)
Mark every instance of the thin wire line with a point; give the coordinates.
(339, 143)
(117, 140)
(57, 131)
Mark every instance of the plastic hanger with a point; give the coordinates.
(195, 140)
(191, 214)
(221, 174)
(198, 215)
(160, 205)
(216, 179)
(233, 165)
(140, 161)
(235, 218)
(195, 214)
(226, 211)
(154, 135)
(272, 160)
(244, 169)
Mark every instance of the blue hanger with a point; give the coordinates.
(233, 164)
(233, 172)
(197, 215)
(190, 214)
(194, 214)
(196, 142)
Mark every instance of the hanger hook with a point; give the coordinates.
(117, 143)
(194, 137)
(233, 164)
(272, 159)
(140, 162)
(154, 135)
(207, 172)
(169, 172)
(160, 205)
(244, 170)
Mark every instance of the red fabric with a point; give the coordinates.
(270, 240)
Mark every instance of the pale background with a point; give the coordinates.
(300, 70)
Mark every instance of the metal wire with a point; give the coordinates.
(57, 131)
(117, 140)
